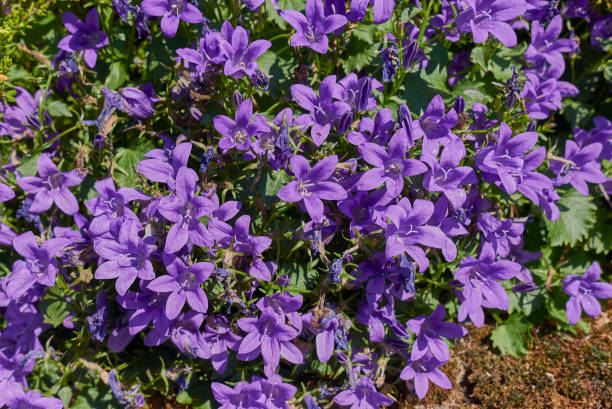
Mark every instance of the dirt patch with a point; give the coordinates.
(560, 371)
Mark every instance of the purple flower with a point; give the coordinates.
(429, 330)
(423, 370)
(138, 102)
(503, 162)
(98, 321)
(276, 393)
(110, 207)
(6, 193)
(364, 396)
(408, 227)
(543, 93)
(545, 45)
(391, 167)
(171, 11)
(322, 109)
(269, 336)
(312, 185)
(488, 16)
(20, 119)
(51, 187)
(357, 92)
(582, 169)
(84, 36)
(14, 397)
(243, 395)
(219, 336)
(184, 210)
(184, 332)
(500, 234)
(480, 287)
(183, 284)
(239, 133)
(584, 292)
(446, 176)
(127, 257)
(39, 265)
(311, 31)
(146, 307)
(241, 54)
(434, 123)
(164, 165)
(382, 10)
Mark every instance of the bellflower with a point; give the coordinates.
(184, 210)
(163, 166)
(408, 227)
(357, 92)
(500, 234)
(429, 330)
(584, 292)
(422, 371)
(51, 187)
(544, 93)
(311, 185)
(391, 167)
(446, 176)
(269, 336)
(20, 119)
(382, 10)
(480, 287)
(219, 336)
(503, 162)
(241, 54)
(14, 397)
(138, 102)
(322, 109)
(243, 395)
(582, 169)
(110, 207)
(6, 193)
(435, 124)
(98, 321)
(39, 265)
(239, 133)
(183, 284)
(171, 12)
(311, 31)
(276, 393)
(546, 46)
(364, 396)
(85, 37)
(128, 257)
(146, 306)
(489, 16)
(184, 332)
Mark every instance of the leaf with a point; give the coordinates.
(183, 398)
(270, 184)
(576, 112)
(117, 76)
(58, 108)
(126, 161)
(576, 218)
(480, 56)
(28, 166)
(510, 336)
(600, 239)
(65, 394)
(302, 277)
(54, 311)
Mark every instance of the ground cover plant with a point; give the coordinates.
(275, 204)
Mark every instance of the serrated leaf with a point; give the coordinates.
(126, 161)
(302, 277)
(577, 216)
(510, 337)
(117, 76)
(58, 109)
(480, 56)
(576, 112)
(270, 184)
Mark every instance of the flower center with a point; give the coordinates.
(240, 136)
(54, 181)
(303, 186)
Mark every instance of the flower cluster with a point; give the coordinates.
(288, 218)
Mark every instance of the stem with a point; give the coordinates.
(551, 156)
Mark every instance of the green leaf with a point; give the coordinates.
(302, 277)
(480, 56)
(510, 337)
(28, 166)
(126, 161)
(65, 394)
(58, 108)
(183, 398)
(576, 218)
(117, 76)
(576, 112)
(54, 311)
(270, 184)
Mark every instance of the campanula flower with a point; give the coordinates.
(546, 45)
(240, 132)
(489, 16)
(85, 37)
(241, 54)
(382, 10)
(364, 396)
(311, 31)
(584, 292)
(51, 186)
(583, 166)
(243, 395)
(500, 234)
(171, 12)
(219, 336)
(312, 184)
(423, 370)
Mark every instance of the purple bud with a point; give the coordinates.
(283, 281)
(405, 121)
(364, 93)
(345, 123)
(334, 271)
(459, 105)
(237, 99)
(410, 54)
(99, 319)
